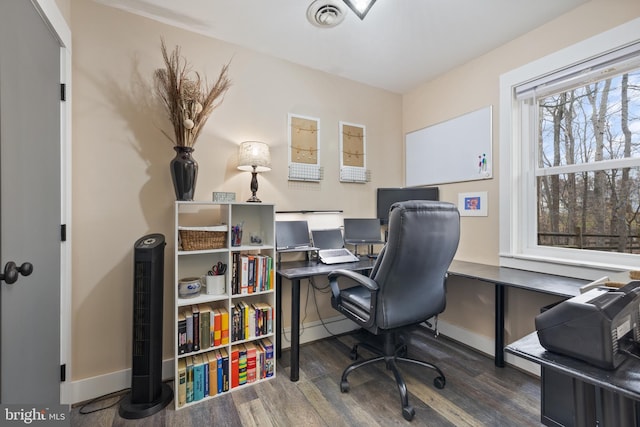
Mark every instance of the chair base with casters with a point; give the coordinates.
(391, 354)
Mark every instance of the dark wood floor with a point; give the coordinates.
(476, 394)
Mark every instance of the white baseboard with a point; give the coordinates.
(101, 385)
(90, 388)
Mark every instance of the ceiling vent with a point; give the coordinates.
(325, 13)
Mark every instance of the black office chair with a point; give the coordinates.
(406, 286)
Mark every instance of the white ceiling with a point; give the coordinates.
(399, 45)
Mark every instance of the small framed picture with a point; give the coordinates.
(472, 204)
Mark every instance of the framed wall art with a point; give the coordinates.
(304, 148)
(472, 204)
(353, 153)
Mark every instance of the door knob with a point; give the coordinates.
(11, 271)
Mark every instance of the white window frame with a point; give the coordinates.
(517, 222)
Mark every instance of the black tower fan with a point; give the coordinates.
(148, 393)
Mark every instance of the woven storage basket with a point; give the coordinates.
(202, 238)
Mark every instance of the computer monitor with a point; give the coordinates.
(362, 231)
(388, 196)
(292, 235)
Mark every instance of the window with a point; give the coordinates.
(570, 158)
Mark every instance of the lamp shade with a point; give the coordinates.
(254, 154)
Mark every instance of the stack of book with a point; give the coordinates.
(251, 273)
(250, 321)
(201, 327)
(202, 375)
(251, 361)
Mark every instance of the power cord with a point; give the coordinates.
(95, 400)
(83, 411)
(325, 290)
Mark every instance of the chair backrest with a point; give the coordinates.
(411, 270)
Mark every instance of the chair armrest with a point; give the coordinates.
(357, 277)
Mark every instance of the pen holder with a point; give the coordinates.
(215, 285)
(236, 235)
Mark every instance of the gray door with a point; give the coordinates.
(30, 205)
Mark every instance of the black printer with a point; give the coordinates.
(600, 326)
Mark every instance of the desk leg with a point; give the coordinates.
(278, 331)
(499, 333)
(295, 329)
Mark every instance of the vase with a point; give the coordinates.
(184, 173)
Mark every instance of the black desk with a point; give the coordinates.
(503, 277)
(500, 277)
(596, 396)
(296, 271)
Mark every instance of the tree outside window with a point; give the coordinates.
(588, 166)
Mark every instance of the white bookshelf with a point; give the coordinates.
(256, 218)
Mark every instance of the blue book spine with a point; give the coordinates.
(198, 382)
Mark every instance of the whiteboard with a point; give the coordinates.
(452, 151)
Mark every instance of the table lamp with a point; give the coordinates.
(254, 157)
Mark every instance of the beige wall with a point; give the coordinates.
(476, 85)
(121, 184)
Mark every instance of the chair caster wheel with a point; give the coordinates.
(408, 413)
(354, 354)
(439, 382)
(344, 386)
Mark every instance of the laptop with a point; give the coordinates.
(293, 236)
(331, 246)
(359, 231)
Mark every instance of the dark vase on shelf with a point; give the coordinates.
(184, 173)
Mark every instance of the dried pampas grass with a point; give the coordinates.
(188, 99)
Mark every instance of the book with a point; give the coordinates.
(235, 351)
(242, 364)
(196, 327)
(244, 274)
(225, 369)
(251, 362)
(235, 323)
(251, 276)
(212, 360)
(235, 265)
(198, 378)
(270, 274)
(217, 327)
(205, 374)
(245, 320)
(260, 365)
(189, 321)
(189, 385)
(257, 313)
(269, 361)
(182, 333)
(225, 326)
(205, 328)
(259, 274)
(219, 368)
(251, 321)
(182, 382)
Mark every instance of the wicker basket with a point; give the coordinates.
(202, 238)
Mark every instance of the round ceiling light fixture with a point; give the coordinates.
(325, 13)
